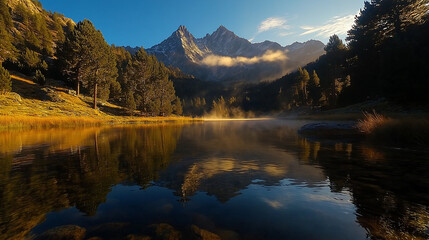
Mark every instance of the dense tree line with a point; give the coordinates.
(29, 38)
(138, 82)
(386, 57)
(388, 50)
(44, 43)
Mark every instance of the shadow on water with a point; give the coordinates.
(49, 170)
(233, 180)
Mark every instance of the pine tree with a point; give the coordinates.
(147, 79)
(135, 78)
(58, 28)
(314, 88)
(39, 78)
(388, 47)
(177, 107)
(335, 57)
(130, 103)
(303, 78)
(165, 93)
(30, 60)
(86, 58)
(5, 81)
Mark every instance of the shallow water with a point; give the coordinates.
(238, 180)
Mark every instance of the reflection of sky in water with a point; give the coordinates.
(240, 180)
(285, 211)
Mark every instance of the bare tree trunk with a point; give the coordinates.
(77, 82)
(77, 87)
(95, 96)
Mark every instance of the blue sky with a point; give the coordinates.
(148, 22)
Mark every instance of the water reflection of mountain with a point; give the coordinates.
(45, 171)
(223, 158)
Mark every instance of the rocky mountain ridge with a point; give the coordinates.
(224, 56)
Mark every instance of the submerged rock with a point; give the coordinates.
(137, 237)
(203, 234)
(66, 232)
(112, 230)
(165, 231)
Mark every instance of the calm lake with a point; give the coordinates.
(213, 180)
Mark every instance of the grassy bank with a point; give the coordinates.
(408, 131)
(356, 112)
(34, 106)
(34, 122)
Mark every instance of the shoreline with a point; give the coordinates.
(8, 122)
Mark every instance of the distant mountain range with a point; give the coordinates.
(223, 56)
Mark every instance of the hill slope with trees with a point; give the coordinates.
(385, 59)
(44, 44)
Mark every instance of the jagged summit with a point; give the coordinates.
(181, 44)
(190, 54)
(183, 32)
(182, 28)
(222, 29)
(223, 32)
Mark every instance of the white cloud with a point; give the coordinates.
(336, 25)
(224, 61)
(272, 23)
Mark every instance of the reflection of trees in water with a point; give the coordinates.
(389, 188)
(146, 151)
(59, 173)
(78, 168)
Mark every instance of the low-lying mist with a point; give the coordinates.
(228, 114)
(225, 61)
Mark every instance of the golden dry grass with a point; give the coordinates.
(409, 131)
(31, 106)
(21, 122)
(47, 122)
(370, 122)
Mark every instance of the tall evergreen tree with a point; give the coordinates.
(335, 58)
(58, 28)
(29, 60)
(147, 79)
(87, 58)
(177, 107)
(135, 78)
(5, 81)
(383, 52)
(303, 78)
(164, 92)
(314, 88)
(130, 103)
